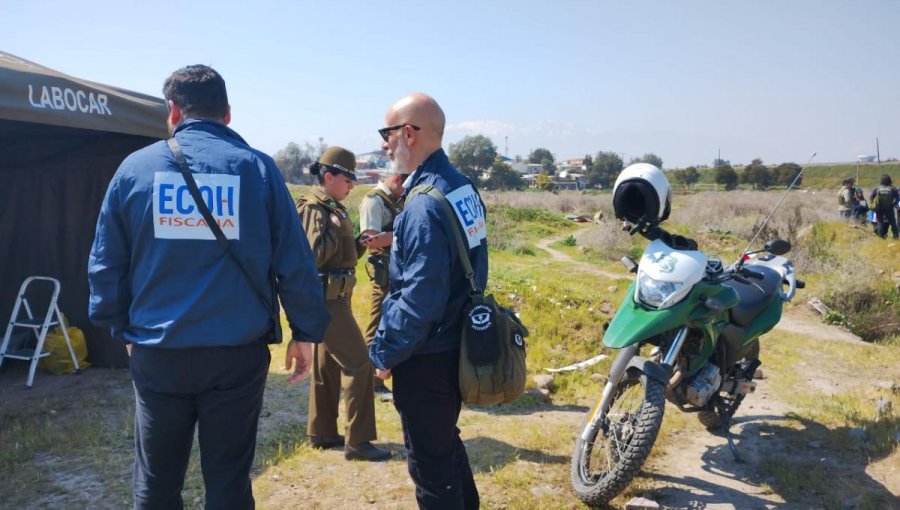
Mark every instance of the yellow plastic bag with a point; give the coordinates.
(59, 361)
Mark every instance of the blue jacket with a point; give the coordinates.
(158, 277)
(428, 288)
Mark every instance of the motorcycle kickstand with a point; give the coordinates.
(726, 426)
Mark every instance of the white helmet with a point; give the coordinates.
(642, 194)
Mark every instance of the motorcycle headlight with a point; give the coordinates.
(657, 293)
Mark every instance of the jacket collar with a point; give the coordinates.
(324, 198)
(433, 164)
(208, 126)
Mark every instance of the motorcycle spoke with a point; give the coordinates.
(615, 437)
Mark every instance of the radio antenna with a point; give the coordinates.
(769, 217)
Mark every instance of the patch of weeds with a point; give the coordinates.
(869, 308)
(523, 249)
(281, 445)
(837, 319)
(792, 477)
(510, 228)
(569, 241)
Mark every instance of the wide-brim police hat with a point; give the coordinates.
(339, 159)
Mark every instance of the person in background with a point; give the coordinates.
(861, 210)
(418, 339)
(196, 326)
(340, 362)
(376, 223)
(883, 200)
(846, 199)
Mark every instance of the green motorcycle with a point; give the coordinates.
(688, 332)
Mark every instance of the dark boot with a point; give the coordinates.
(366, 451)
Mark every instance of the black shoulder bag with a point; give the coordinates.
(273, 335)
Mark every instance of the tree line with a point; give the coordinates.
(476, 156)
(756, 174)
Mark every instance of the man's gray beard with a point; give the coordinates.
(401, 157)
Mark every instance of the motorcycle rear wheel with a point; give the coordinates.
(620, 442)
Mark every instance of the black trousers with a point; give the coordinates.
(218, 391)
(426, 395)
(883, 220)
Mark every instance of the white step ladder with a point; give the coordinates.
(38, 325)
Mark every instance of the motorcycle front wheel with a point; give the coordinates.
(618, 443)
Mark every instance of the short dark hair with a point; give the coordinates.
(885, 180)
(199, 91)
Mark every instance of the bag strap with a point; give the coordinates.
(428, 189)
(210, 221)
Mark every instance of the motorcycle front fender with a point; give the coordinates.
(654, 370)
(625, 360)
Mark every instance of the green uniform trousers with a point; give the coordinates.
(341, 363)
(378, 294)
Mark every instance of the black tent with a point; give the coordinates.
(61, 140)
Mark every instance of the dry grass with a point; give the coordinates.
(563, 202)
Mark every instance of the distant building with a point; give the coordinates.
(571, 165)
(519, 166)
(374, 159)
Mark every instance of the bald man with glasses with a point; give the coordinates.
(418, 339)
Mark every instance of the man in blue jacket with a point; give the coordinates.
(418, 339)
(197, 328)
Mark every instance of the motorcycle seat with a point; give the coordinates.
(752, 300)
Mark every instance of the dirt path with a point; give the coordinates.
(558, 256)
(804, 322)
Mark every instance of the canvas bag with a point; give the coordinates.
(492, 368)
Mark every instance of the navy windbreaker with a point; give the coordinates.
(158, 277)
(428, 288)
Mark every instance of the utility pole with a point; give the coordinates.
(877, 150)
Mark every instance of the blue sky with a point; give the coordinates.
(771, 79)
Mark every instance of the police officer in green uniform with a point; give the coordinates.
(883, 200)
(376, 221)
(341, 361)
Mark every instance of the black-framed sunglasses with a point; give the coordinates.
(385, 132)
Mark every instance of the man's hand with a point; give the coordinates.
(382, 374)
(298, 354)
(365, 236)
(380, 240)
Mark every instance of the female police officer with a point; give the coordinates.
(341, 361)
